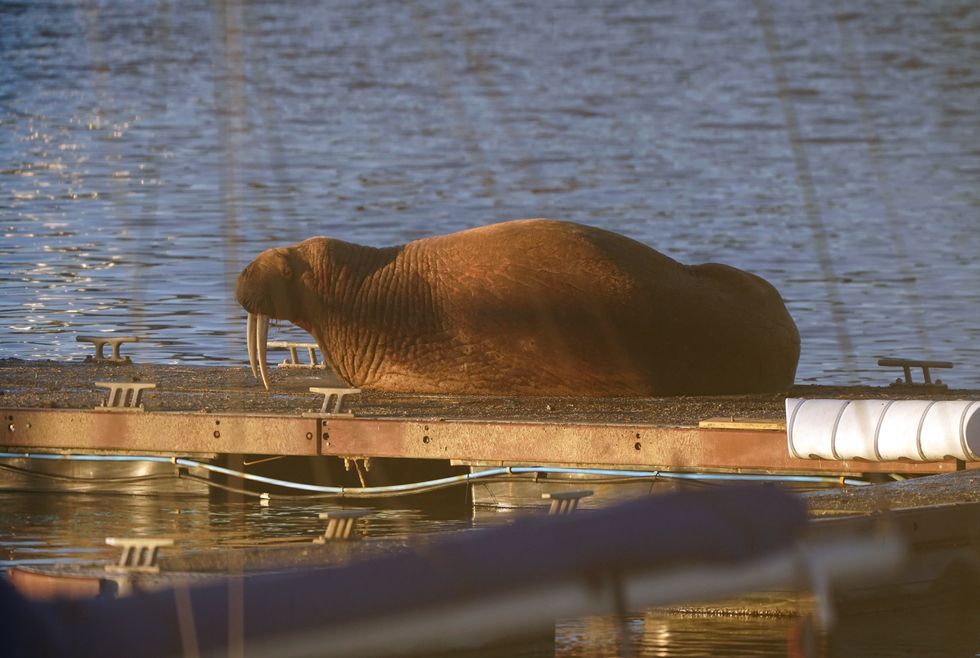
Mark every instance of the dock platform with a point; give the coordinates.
(204, 411)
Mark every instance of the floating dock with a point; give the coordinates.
(211, 412)
(217, 415)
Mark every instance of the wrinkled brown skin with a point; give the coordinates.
(528, 307)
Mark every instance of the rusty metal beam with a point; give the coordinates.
(156, 432)
(641, 446)
(677, 448)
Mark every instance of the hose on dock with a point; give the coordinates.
(488, 475)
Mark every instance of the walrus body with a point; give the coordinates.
(527, 307)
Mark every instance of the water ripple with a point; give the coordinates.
(144, 161)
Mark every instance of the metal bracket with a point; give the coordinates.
(332, 394)
(138, 554)
(353, 461)
(114, 341)
(124, 396)
(907, 364)
(565, 502)
(340, 525)
(293, 360)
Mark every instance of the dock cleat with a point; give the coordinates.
(124, 396)
(100, 341)
(293, 360)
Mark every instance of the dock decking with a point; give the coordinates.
(212, 410)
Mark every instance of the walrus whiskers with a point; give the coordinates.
(257, 338)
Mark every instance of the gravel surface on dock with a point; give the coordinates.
(230, 389)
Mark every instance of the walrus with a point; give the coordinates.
(533, 307)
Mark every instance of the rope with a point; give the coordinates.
(804, 179)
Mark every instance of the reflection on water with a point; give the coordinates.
(44, 528)
(930, 630)
(657, 635)
(147, 152)
(62, 528)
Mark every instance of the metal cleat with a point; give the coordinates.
(907, 364)
(114, 341)
(565, 502)
(293, 360)
(336, 395)
(123, 396)
(340, 525)
(138, 554)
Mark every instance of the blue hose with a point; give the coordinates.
(416, 487)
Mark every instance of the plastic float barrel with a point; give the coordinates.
(883, 430)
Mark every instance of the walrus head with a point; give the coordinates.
(279, 284)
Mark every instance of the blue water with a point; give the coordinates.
(148, 150)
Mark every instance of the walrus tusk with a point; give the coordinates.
(257, 338)
(250, 341)
(261, 341)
